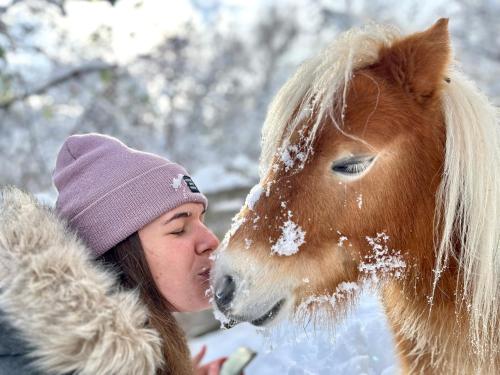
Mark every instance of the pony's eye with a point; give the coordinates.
(352, 166)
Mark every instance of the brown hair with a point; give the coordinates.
(128, 260)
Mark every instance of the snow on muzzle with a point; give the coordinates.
(244, 291)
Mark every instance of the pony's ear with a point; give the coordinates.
(418, 63)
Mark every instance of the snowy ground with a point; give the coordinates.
(361, 345)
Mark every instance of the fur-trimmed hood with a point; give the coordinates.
(63, 305)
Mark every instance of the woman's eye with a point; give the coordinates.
(177, 232)
(353, 166)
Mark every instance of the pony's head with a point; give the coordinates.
(353, 156)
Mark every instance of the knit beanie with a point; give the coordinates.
(107, 191)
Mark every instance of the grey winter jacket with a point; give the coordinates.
(58, 308)
(13, 352)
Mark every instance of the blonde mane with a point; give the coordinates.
(468, 201)
(468, 207)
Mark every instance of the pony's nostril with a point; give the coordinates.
(224, 293)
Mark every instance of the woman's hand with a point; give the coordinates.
(211, 368)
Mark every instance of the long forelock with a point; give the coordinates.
(319, 88)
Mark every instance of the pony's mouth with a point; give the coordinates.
(264, 319)
(270, 315)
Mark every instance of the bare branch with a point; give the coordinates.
(56, 81)
(60, 5)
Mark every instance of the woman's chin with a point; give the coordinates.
(202, 304)
(205, 305)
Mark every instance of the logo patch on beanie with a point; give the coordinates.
(191, 184)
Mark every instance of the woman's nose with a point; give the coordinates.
(209, 242)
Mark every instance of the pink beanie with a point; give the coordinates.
(107, 191)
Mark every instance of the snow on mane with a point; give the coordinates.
(318, 82)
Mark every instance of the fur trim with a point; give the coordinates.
(67, 308)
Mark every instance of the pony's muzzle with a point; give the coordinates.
(224, 293)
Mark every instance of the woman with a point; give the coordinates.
(91, 287)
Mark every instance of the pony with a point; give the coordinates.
(380, 167)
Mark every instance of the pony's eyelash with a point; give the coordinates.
(352, 166)
(356, 167)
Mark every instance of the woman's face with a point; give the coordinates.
(177, 246)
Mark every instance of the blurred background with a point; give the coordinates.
(187, 79)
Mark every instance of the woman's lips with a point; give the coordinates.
(205, 274)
